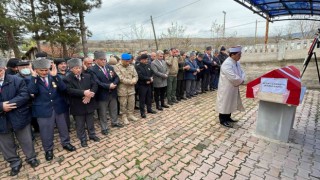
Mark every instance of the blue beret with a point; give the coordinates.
(126, 57)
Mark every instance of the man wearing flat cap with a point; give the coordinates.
(128, 77)
(81, 88)
(231, 77)
(49, 107)
(24, 72)
(15, 120)
(12, 66)
(106, 96)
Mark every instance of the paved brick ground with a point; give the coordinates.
(187, 142)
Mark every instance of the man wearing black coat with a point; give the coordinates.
(207, 60)
(145, 80)
(15, 117)
(200, 82)
(81, 89)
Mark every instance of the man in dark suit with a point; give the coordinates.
(49, 106)
(15, 118)
(145, 85)
(81, 89)
(107, 91)
(207, 60)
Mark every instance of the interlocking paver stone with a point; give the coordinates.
(186, 141)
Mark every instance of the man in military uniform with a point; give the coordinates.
(144, 85)
(126, 91)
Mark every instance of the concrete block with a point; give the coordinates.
(275, 120)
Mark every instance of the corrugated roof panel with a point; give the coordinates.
(276, 8)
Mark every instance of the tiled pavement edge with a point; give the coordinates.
(187, 142)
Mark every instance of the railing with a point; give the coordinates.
(282, 45)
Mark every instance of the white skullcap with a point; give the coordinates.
(235, 49)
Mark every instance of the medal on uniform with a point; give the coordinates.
(54, 85)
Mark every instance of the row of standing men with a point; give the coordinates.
(43, 93)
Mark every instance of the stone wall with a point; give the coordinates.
(256, 69)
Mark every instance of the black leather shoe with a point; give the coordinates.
(184, 98)
(118, 125)
(34, 163)
(15, 170)
(160, 108)
(170, 103)
(178, 99)
(165, 106)
(84, 144)
(105, 132)
(226, 124)
(69, 147)
(94, 138)
(152, 112)
(143, 115)
(49, 155)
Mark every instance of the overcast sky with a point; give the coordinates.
(116, 17)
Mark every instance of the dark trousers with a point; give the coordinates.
(145, 95)
(35, 125)
(205, 81)
(47, 130)
(8, 146)
(67, 117)
(212, 78)
(216, 80)
(81, 122)
(224, 117)
(159, 94)
(181, 87)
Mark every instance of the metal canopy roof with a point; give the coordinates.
(279, 10)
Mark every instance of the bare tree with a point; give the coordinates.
(139, 33)
(216, 30)
(175, 36)
(278, 34)
(306, 28)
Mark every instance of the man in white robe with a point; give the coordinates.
(231, 77)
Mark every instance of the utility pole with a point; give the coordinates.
(255, 36)
(224, 23)
(154, 33)
(266, 34)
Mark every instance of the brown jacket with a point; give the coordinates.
(173, 65)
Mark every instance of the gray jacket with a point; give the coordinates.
(160, 73)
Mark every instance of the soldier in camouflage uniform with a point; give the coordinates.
(126, 92)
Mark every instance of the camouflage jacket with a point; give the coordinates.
(128, 78)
